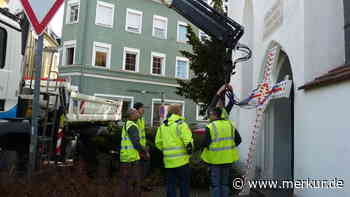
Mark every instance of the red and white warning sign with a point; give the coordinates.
(40, 12)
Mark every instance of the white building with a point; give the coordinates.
(306, 136)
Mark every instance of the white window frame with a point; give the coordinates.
(162, 55)
(188, 67)
(132, 50)
(199, 35)
(108, 61)
(167, 101)
(178, 31)
(68, 11)
(128, 10)
(105, 4)
(166, 26)
(68, 44)
(198, 116)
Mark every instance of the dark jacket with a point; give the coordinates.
(135, 138)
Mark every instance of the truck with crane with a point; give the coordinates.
(61, 105)
(67, 103)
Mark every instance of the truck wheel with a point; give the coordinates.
(8, 162)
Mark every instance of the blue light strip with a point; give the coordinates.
(12, 113)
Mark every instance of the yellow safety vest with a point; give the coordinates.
(173, 147)
(127, 151)
(224, 114)
(222, 149)
(141, 124)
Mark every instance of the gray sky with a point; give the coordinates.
(57, 22)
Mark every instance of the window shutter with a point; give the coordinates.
(134, 20)
(104, 15)
(160, 24)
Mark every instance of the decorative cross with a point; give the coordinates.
(260, 97)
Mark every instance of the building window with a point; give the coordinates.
(157, 113)
(160, 25)
(158, 63)
(73, 11)
(133, 21)
(69, 48)
(3, 46)
(131, 59)
(182, 68)
(104, 14)
(101, 55)
(203, 36)
(201, 114)
(182, 32)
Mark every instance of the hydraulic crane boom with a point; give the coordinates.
(216, 25)
(208, 20)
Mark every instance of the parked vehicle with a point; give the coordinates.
(61, 106)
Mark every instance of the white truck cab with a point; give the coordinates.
(10, 65)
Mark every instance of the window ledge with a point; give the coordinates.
(337, 75)
(133, 32)
(105, 26)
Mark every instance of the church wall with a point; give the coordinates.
(312, 35)
(322, 138)
(324, 36)
(289, 37)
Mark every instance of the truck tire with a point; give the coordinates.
(8, 162)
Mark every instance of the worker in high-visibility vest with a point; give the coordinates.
(131, 151)
(174, 139)
(141, 124)
(219, 101)
(220, 151)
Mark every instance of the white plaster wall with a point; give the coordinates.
(290, 36)
(324, 36)
(312, 36)
(322, 134)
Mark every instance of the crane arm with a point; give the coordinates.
(208, 20)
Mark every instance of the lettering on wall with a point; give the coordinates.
(273, 19)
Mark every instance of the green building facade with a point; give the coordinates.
(127, 49)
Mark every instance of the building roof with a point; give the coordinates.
(339, 74)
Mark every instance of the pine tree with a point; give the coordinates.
(206, 63)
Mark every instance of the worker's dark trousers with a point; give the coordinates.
(219, 180)
(130, 179)
(182, 176)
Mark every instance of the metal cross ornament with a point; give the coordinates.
(260, 97)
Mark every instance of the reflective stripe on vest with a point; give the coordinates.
(128, 153)
(219, 139)
(174, 153)
(141, 124)
(126, 138)
(222, 149)
(178, 133)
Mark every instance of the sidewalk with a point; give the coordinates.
(160, 192)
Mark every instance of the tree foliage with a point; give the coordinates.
(206, 66)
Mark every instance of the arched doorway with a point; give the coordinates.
(275, 151)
